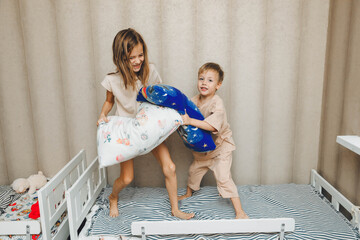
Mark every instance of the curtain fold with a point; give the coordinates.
(349, 162)
(336, 74)
(283, 32)
(77, 74)
(42, 54)
(19, 149)
(247, 87)
(309, 102)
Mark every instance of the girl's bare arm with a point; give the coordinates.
(106, 108)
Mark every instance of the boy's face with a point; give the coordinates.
(208, 83)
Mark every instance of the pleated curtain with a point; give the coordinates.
(54, 55)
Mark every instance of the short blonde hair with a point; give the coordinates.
(212, 66)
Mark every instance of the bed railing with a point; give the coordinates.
(26, 228)
(337, 199)
(263, 225)
(52, 202)
(82, 195)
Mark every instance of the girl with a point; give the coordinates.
(132, 72)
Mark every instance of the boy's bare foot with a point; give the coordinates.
(182, 215)
(114, 211)
(241, 215)
(184, 196)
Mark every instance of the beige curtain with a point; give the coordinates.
(54, 54)
(341, 107)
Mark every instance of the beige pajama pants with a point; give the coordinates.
(220, 165)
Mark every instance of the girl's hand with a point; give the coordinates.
(102, 118)
(186, 119)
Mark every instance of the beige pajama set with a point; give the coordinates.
(220, 159)
(126, 104)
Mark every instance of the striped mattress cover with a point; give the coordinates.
(314, 217)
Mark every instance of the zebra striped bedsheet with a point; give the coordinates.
(7, 196)
(314, 216)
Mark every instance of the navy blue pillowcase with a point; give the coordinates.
(194, 138)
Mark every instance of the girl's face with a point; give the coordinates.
(208, 83)
(137, 57)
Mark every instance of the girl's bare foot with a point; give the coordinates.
(114, 211)
(182, 215)
(241, 215)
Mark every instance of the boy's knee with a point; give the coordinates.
(225, 182)
(192, 171)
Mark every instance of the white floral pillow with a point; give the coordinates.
(124, 138)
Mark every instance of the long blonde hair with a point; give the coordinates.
(124, 42)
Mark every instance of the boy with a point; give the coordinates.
(210, 77)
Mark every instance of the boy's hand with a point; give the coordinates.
(197, 123)
(186, 119)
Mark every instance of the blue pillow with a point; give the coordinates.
(194, 138)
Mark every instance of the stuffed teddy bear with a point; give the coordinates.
(33, 182)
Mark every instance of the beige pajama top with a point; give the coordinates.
(215, 115)
(125, 99)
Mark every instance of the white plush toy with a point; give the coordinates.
(33, 182)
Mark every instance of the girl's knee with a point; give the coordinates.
(125, 179)
(169, 169)
(128, 179)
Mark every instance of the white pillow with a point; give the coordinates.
(124, 138)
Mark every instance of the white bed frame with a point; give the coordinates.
(337, 199)
(262, 225)
(251, 225)
(80, 204)
(82, 195)
(52, 204)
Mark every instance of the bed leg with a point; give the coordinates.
(28, 232)
(282, 232)
(143, 236)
